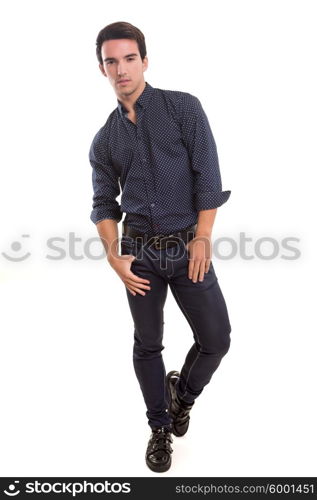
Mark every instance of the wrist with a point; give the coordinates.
(203, 233)
(112, 257)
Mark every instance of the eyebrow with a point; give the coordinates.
(114, 59)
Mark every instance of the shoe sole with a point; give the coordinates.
(168, 377)
(161, 468)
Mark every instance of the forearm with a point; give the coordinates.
(108, 232)
(206, 219)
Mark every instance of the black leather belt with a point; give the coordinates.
(160, 241)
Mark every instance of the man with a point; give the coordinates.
(158, 147)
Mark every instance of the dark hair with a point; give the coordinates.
(118, 30)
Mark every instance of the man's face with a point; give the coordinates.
(123, 66)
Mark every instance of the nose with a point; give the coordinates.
(121, 69)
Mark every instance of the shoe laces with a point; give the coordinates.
(161, 440)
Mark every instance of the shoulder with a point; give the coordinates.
(105, 130)
(100, 140)
(182, 102)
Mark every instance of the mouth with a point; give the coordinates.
(123, 81)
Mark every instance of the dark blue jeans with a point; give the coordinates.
(203, 306)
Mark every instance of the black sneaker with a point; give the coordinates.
(159, 450)
(178, 409)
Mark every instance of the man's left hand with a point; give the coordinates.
(200, 251)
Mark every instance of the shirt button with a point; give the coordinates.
(152, 205)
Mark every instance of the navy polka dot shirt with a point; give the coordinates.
(166, 164)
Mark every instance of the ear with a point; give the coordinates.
(102, 70)
(145, 63)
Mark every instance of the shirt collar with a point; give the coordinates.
(142, 100)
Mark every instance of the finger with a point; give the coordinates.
(190, 269)
(140, 292)
(196, 271)
(132, 282)
(207, 266)
(137, 290)
(202, 271)
(134, 277)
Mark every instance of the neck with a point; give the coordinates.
(129, 100)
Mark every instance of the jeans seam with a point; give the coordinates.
(194, 329)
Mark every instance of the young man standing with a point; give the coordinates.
(158, 147)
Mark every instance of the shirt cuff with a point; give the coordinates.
(211, 199)
(97, 215)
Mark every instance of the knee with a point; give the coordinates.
(225, 341)
(146, 350)
(225, 345)
(219, 342)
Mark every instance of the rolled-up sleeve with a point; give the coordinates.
(202, 150)
(105, 182)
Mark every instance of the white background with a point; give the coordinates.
(71, 404)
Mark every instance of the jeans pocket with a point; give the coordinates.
(137, 252)
(186, 250)
(127, 246)
(130, 247)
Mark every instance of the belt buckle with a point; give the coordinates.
(157, 240)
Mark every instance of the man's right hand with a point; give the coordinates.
(122, 265)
